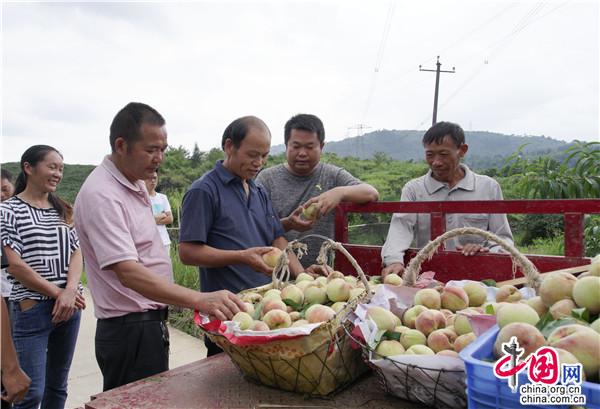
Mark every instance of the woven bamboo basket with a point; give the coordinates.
(433, 386)
(319, 364)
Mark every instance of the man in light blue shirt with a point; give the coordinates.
(450, 180)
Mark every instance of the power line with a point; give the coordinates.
(379, 58)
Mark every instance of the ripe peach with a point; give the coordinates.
(294, 315)
(583, 342)
(321, 281)
(300, 323)
(529, 337)
(462, 325)
(454, 299)
(352, 280)
(430, 320)
(565, 357)
(277, 319)
(586, 293)
(249, 308)
(562, 308)
(516, 313)
(538, 305)
(356, 292)
(412, 337)
(334, 274)
(508, 293)
(464, 340)
(271, 258)
(596, 325)
(556, 287)
(270, 305)
(419, 350)
(476, 292)
(259, 326)
(315, 295)
(303, 284)
(311, 212)
(319, 313)
(393, 279)
(304, 277)
(272, 294)
(441, 339)
(429, 298)
(292, 293)
(448, 352)
(389, 348)
(383, 318)
(338, 306)
(400, 329)
(338, 290)
(411, 314)
(243, 319)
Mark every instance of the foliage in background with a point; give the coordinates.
(575, 177)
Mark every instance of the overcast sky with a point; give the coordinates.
(521, 68)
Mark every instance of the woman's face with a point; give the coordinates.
(46, 174)
(7, 189)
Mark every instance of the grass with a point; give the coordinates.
(187, 276)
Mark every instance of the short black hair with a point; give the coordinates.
(238, 129)
(128, 121)
(305, 122)
(439, 131)
(6, 175)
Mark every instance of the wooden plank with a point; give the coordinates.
(571, 270)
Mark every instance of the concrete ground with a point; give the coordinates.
(85, 378)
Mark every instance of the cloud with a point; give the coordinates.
(69, 67)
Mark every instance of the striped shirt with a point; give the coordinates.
(42, 239)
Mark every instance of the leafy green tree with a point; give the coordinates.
(543, 177)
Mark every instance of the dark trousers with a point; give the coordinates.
(132, 347)
(211, 347)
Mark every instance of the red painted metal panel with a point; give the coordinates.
(573, 232)
(586, 206)
(453, 265)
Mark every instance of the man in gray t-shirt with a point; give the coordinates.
(304, 180)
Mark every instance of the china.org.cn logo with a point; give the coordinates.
(550, 383)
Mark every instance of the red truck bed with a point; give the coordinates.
(451, 265)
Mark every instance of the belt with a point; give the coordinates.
(152, 315)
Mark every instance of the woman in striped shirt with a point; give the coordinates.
(45, 266)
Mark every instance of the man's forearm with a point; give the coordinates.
(203, 255)
(362, 193)
(140, 279)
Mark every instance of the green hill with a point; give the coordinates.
(486, 149)
(73, 178)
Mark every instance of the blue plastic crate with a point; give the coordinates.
(485, 391)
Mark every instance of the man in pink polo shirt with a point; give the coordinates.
(129, 273)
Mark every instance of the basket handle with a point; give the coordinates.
(529, 270)
(281, 272)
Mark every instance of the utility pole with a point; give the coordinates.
(359, 132)
(437, 86)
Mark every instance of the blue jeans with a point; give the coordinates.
(45, 352)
